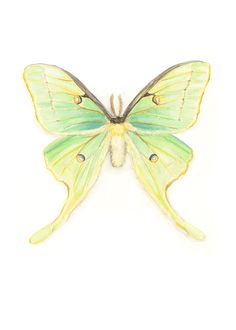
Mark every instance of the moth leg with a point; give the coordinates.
(46, 231)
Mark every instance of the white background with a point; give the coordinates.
(119, 263)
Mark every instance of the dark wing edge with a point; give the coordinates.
(84, 88)
(143, 92)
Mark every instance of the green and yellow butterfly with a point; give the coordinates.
(168, 104)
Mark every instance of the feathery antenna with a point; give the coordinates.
(112, 104)
(121, 105)
(113, 110)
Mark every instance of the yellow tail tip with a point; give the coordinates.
(192, 231)
(198, 235)
(195, 233)
(41, 235)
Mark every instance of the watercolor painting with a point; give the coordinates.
(169, 104)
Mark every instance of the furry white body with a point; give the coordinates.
(118, 150)
(118, 144)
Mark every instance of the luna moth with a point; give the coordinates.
(169, 104)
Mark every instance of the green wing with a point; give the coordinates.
(171, 102)
(62, 103)
(76, 161)
(168, 104)
(158, 160)
(64, 106)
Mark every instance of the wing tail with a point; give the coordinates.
(158, 161)
(178, 220)
(47, 230)
(76, 161)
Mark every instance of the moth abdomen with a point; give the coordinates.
(118, 145)
(118, 150)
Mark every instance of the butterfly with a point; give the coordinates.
(169, 104)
